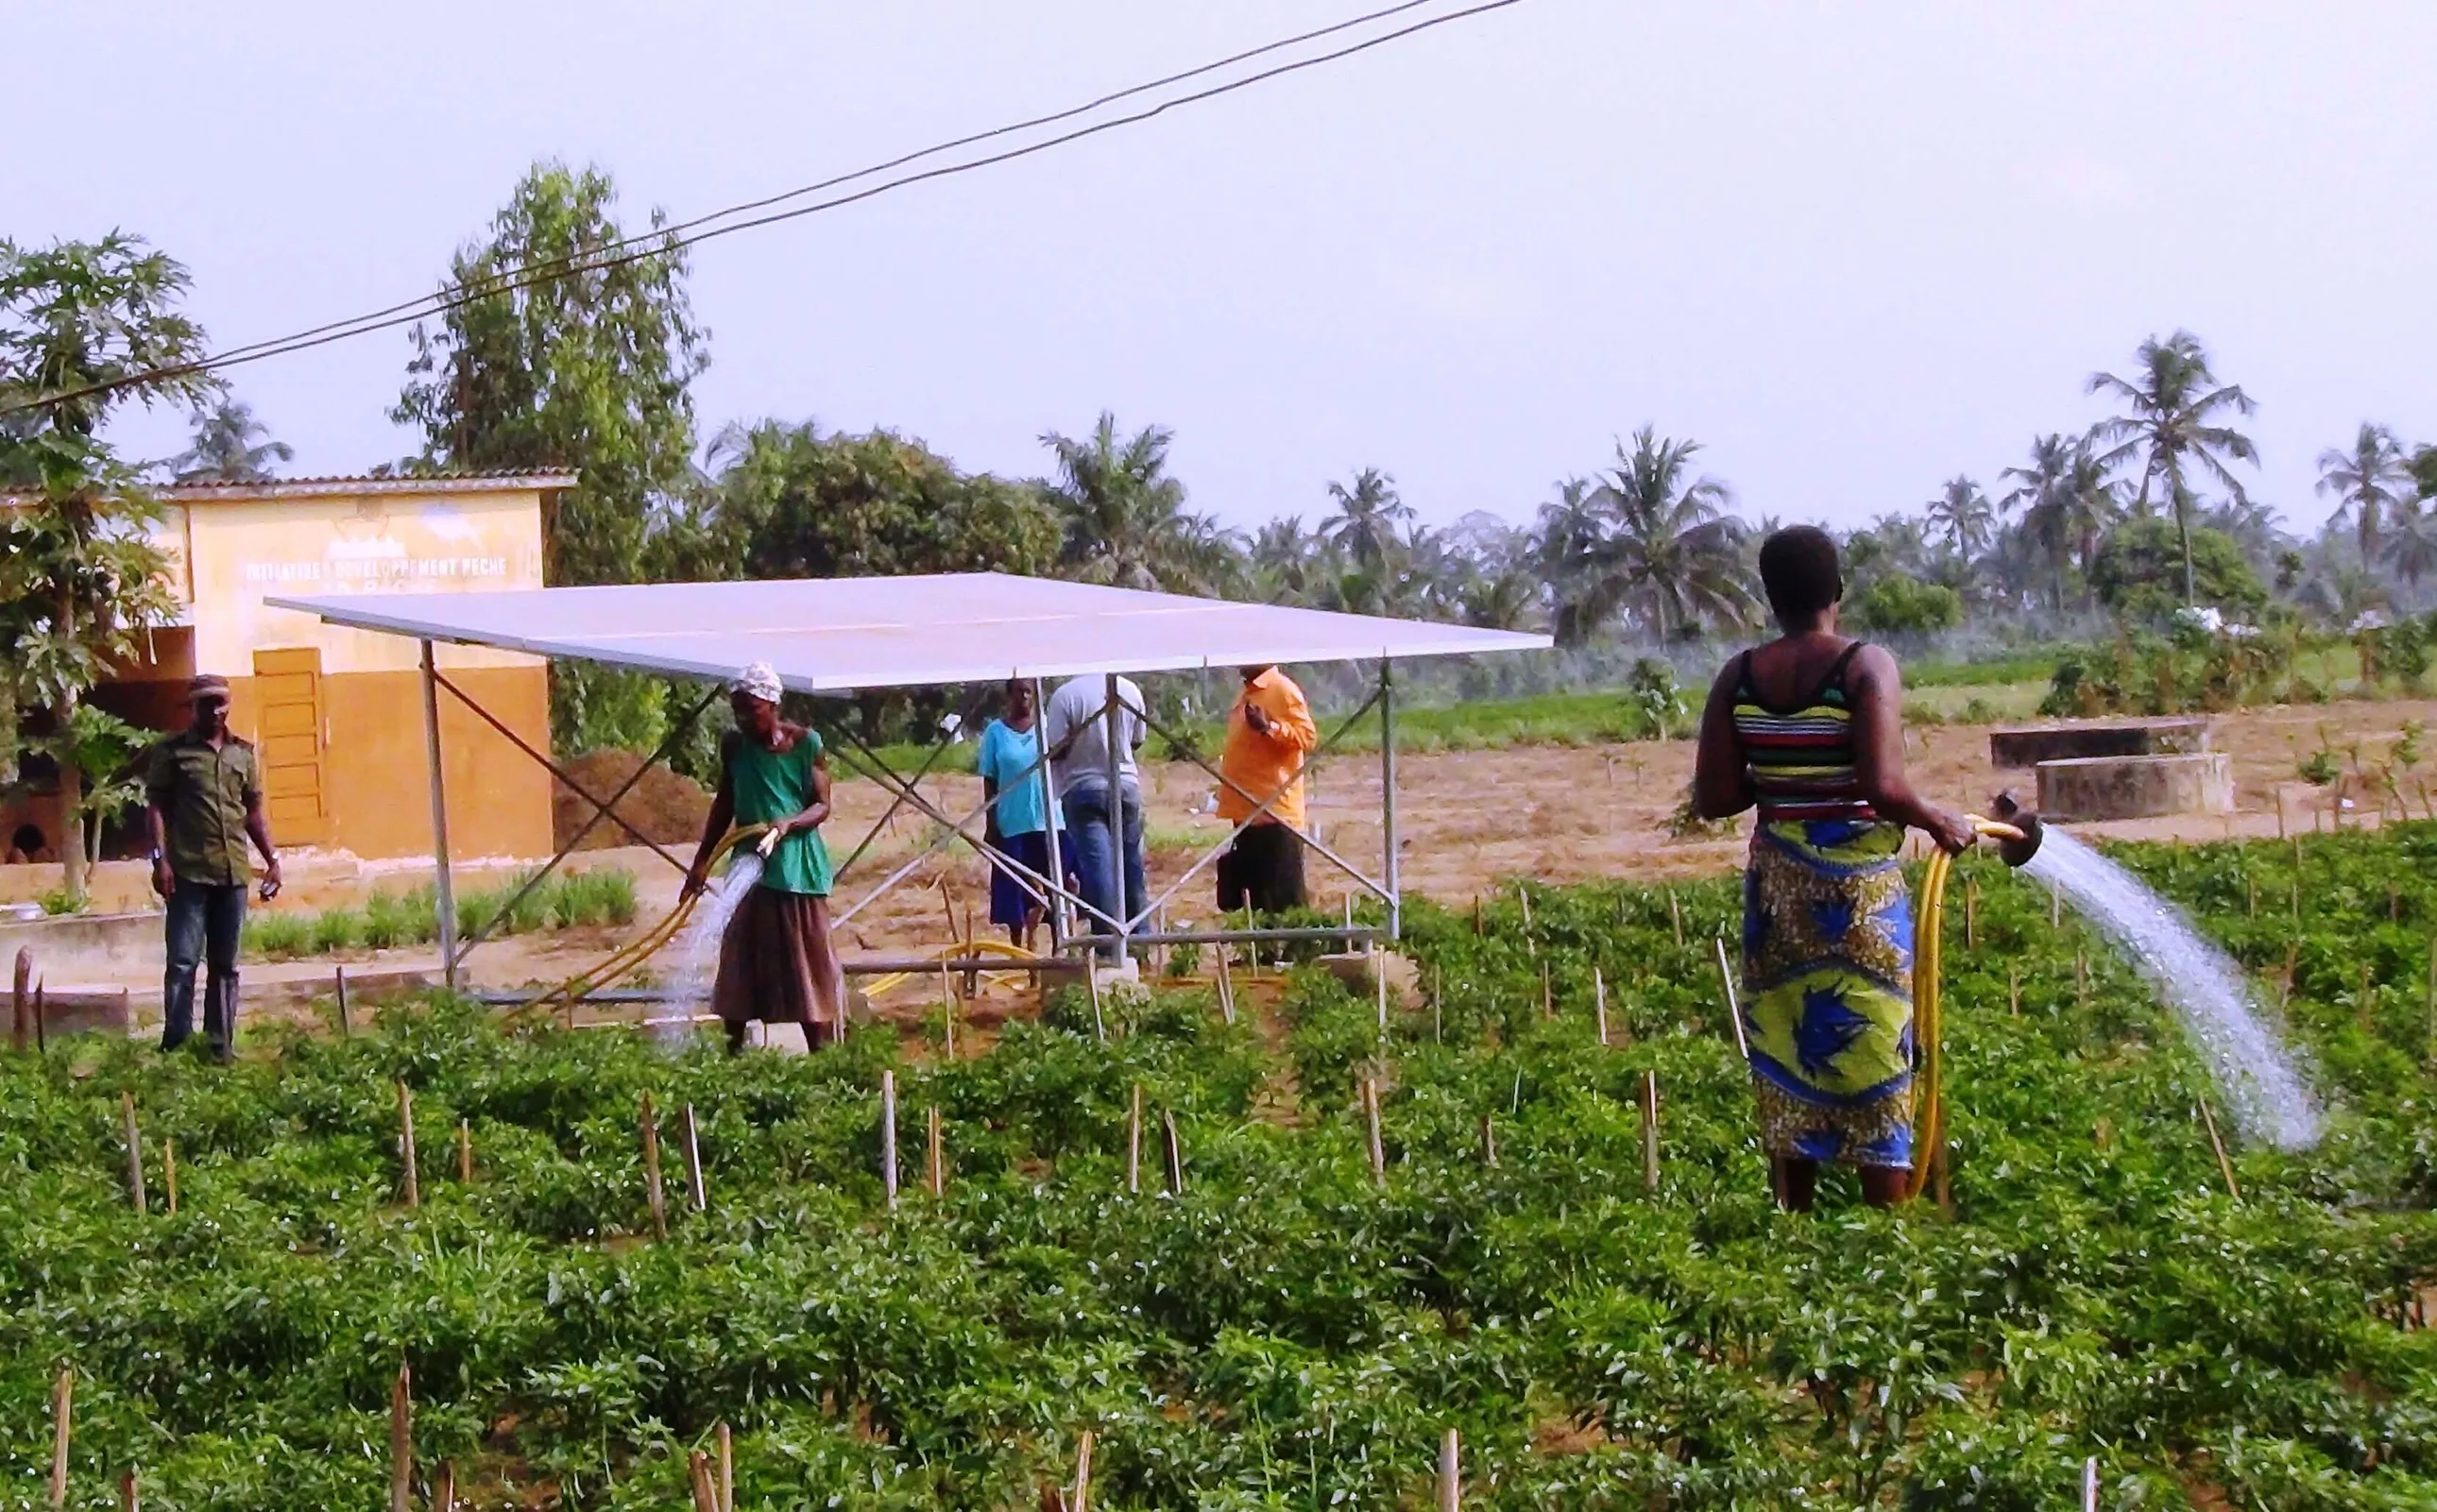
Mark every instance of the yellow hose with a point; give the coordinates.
(641, 949)
(1929, 1127)
(631, 955)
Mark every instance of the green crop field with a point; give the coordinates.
(1286, 1331)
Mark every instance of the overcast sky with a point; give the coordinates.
(1853, 249)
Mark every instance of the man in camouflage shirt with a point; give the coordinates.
(204, 800)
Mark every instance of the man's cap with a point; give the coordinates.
(207, 685)
(760, 681)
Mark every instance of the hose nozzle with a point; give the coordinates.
(2017, 831)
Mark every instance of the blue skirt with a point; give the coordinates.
(1009, 903)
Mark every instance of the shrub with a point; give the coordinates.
(1906, 604)
(604, 894)
(278, 936)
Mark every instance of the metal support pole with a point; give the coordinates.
(1388, 795)
(1115, 728)
(443, 888)
(1049, 813)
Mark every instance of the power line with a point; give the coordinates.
(665, 240)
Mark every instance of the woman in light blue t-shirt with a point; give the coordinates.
(1010, 762)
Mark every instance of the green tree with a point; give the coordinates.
(224, 449)
(2143, 562)
(1369, 514)
(2175, 423)
(557, 349)
(1965, 515)
(1668, 554)
(1125, 517)
(2066, 501)
(2369, 483)
(79, 577)
(2412, 539)
(1900, 604)
(786, 501)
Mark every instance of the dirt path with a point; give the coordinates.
(1468, 821)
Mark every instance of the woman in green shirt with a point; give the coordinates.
(776, 963)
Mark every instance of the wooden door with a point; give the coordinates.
(288, 740)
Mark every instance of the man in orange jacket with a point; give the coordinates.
(1270, 733)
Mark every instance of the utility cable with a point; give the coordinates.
(666, 240)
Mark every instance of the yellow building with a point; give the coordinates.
(336, 714)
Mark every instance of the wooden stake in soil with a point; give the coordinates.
(1133, 1142)
(1081, 1499)
(63, 1403)
(2055, 907)
(128, 1500)
(21, 987)
(1675, 916)
(170, 1174)
(948, 1011)
(706, 1494)
(2250, 897)
(1523, 896)
(42, 1031)
(726, 1468)
(888, 1135)
(1649, 1131)
(1226, 988)
(701, 1197)
(1370, 1124)
(443, 1487)
(1451, 1472)
(134, 1151)
(2089, 1485)
(934, 1163)
(1092, 975)
(1734, 1008)
(2361, 1000)
(1548, 999)
(2224, 1166)
(402, 1441)
(406, 1145)
(1175, 1152)
(1488, 1141)
(2014, 988)
(1599, 1004)
(653, 1191)
(1380, 980)
(2082, 978)
(465, 1152)
(339, 989)
(1475, 924)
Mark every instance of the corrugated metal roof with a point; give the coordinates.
(360, 483)
(839, 634)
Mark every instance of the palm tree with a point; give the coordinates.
(1571, 532)
(1281, 558)
(2066, 500)
(1368, 514)
(1966, 516)
(2176, 412)
(224, 451)
(1671, 554)
(2412, 541)
(2370, 482)
(1124, 517)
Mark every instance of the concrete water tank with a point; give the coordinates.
(2137, 786)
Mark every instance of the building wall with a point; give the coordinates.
(372, 767)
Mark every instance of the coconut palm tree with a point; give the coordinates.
(224, 449)
(1571, 531)
(2175, 423)
(1965, 517)
(2067, 502)
(1367, 518)
(1285, 562)
(1125, 517)
(2369, 483)
(2412, 539)
(1670, 555)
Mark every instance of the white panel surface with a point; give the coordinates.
(840, 635)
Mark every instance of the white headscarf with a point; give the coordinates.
(760, 681)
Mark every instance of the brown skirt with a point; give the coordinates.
(775, 964)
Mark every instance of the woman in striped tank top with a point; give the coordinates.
(1808, 729)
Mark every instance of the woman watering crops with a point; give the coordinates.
(776, 963)
(1810, 729)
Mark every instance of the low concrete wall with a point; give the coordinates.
(2065, 742)
(2141, 786)
(74, 944)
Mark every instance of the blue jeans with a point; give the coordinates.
(204, 921)
(1090, 847)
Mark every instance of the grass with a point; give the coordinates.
(394, 920)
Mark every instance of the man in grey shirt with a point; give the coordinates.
(1103, 831)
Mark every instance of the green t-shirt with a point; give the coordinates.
(769, 786)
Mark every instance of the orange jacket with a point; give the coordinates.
(1261, 762)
